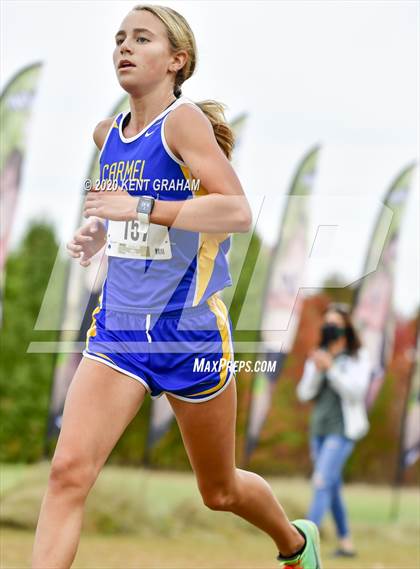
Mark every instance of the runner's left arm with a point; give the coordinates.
(224, 208)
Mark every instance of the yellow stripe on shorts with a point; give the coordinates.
(217, 306)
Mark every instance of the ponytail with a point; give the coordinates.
(214, 111)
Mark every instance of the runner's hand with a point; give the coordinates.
(87, 241)
(115, 204)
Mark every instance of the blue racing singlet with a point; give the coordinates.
(197, 265)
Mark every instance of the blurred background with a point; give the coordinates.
(323, 98)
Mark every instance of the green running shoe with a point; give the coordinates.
(311, 556)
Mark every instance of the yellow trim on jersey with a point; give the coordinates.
(218, 307)
(208, 248)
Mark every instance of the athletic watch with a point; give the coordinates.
(144, 209)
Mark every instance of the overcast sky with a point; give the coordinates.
(343, 74)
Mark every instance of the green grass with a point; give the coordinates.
(135, 518)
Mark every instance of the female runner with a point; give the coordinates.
(166, 242)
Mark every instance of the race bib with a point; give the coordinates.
(124, 239)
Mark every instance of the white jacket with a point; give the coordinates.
(349, 376)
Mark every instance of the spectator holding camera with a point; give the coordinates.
(336, 377)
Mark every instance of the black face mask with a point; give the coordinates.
(330, 333)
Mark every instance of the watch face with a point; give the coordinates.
(144, 205)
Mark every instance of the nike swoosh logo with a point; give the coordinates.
(149, 133)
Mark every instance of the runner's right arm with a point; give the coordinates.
(91, 237)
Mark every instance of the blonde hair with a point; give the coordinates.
(181, 36)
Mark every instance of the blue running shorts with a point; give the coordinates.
(187, 353)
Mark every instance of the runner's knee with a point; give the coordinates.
(219, 497)
(71, 471)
